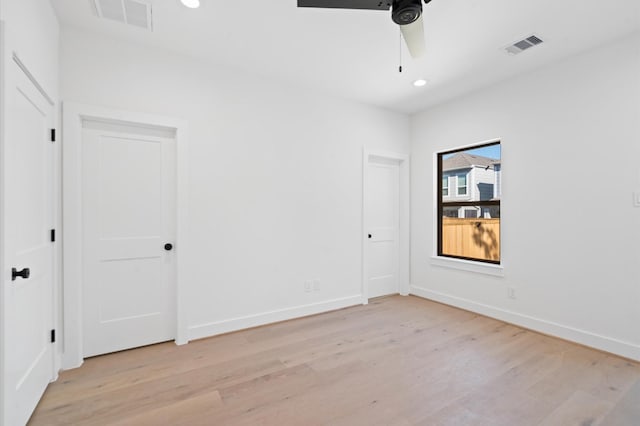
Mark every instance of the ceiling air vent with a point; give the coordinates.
(522, 45)
(132, 12)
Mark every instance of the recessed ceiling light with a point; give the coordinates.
(191, 4)
(420, 82)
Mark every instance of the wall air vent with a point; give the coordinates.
(522, 45)
(132, 12)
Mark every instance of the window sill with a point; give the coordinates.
(468, 265)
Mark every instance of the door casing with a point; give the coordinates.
(73, 115)
(370, 157)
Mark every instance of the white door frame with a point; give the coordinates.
(3, 274)
(369, 157)
(73, 115)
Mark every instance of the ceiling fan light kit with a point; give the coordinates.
(191, 4)
(406, 13)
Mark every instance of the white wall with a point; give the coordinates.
(32, 33)
(275, 177)
(570, 233)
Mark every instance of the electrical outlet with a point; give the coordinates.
(511, 292)
(308, 286)
(316, 285)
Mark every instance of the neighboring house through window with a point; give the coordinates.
(469, 215)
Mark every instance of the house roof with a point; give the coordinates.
(462, 160)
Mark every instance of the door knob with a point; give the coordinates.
(368, 235)
(168, 247)
(24, 274)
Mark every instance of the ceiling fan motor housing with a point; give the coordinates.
(404, 12)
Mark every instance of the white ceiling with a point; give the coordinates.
(354, 54)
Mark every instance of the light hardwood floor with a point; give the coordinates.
(397, 361)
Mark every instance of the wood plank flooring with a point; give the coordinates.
(397, 361)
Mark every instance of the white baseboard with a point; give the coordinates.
(607, 344)
(213, 328)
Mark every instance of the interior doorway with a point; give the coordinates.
(124, 199)
(386, 224)
(128, 236)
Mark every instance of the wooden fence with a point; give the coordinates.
(475, 238)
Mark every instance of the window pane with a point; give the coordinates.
(470, 224)
(462, 184)
(474, 237)
(471, 213)
(451, 212)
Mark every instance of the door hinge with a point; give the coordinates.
(53, 235)
(53, 135)
(53, 336)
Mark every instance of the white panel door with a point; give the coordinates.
(29, 218)
(382, 208)
(128, 210)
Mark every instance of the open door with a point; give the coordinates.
(28, 218)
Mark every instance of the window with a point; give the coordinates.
(470, 213)
(462, 184)
(445, 186)
(470, 229)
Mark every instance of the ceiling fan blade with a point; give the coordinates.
(413, 35)
(347, 4)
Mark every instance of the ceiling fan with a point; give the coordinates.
(406, 13)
